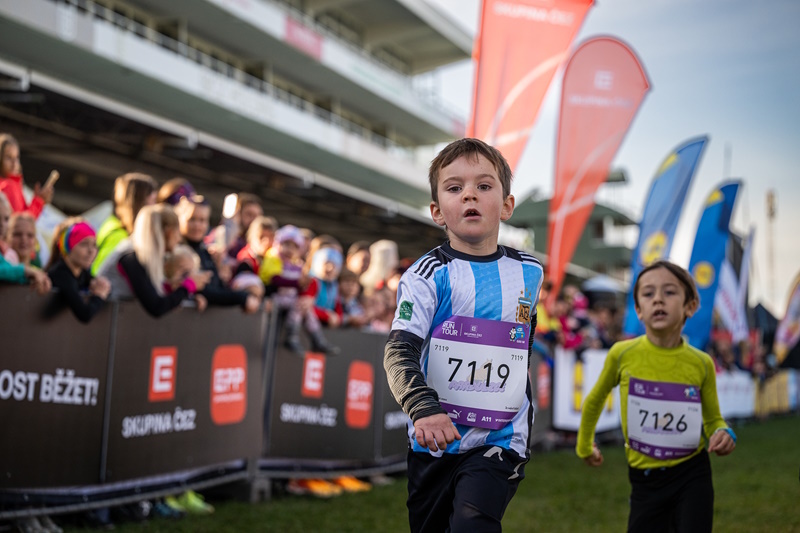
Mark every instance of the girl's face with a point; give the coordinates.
(23, 239)
(288, 250)
(330, 271)
(194, 224)
(151, 199)
(10, 162)
(662, 301)
(172, 236)
(266, 240)
(82, 254)
(182, 268)
(5, 216)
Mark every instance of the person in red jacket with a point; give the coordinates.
(11, 180)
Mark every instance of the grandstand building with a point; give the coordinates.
(311, 104)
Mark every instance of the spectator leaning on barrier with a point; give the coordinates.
(132, 191)
(22, 238)
(193, 218)
(73, 250)
(136, 268)
(11, 180)
(17, 273)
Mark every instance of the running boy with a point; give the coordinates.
(670, 412)
(457, 355)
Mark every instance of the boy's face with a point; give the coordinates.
(349, 288)
(662, 303)
(471, 204)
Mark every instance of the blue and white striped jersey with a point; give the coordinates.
(444, 283)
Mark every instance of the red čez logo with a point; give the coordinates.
(163, 369)
(313, 375)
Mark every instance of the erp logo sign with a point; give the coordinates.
(360, 386)
(228, 384)
(163, 368)
(313, 375)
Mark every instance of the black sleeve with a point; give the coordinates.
(69, 292)
(224, 296)
(406, 381)
(155, 304)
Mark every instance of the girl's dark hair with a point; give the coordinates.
(685, 279)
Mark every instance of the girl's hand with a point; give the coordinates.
(45, 193)
(201, 302)
(252, 304)
(40, 281)
(200, 279)
(596, 459)
(100, 287)
(721, 443)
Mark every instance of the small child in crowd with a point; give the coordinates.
(353, 313)
(73, 250)
(22, 238)
(15, 272)
(669, 409)
(180, 265)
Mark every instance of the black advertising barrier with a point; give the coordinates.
(187, 391)
(53, 372)
(333, 408)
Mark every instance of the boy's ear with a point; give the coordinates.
(508, 207)
(691, 307)
(638, 312)
(436, 214)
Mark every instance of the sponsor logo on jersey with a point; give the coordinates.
(524, 306)
(163, 368)
(405, 310)
(228, 384)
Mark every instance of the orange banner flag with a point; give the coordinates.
(604, 84)
(520, 46)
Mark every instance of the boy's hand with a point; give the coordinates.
(721, 443)
(435, 432)
(596, 459)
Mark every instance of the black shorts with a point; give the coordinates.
(678, 498)
(462, 492)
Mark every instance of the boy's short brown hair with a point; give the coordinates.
(689, 288)
(465, 148)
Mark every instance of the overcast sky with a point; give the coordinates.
(729, 69)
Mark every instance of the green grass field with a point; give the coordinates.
(757, 489)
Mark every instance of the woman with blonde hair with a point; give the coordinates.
(136, 268)
(132, 191)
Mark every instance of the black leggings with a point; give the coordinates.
(676, 499)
